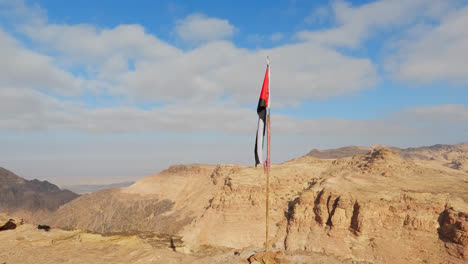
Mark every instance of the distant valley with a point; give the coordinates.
(376, 204)
(89, 188)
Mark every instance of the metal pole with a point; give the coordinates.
(267, 179)
(267, 162)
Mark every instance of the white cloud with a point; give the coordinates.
(299, 72)
(22, 68)
(18, 11)
(255, 38)
(259, 39)
(449, 113)
(319, 15)
(276, 36)
(198, 28)
(21, 102)
(105, 54)
(133, 142)
(30, 110)
(338, 127)
(434, 48)
(205, 88)
(89, 44)
(191, 82)
(357, 23)
(127, 61)
(437, 53)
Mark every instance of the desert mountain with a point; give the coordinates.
(339, 152)
(30, 197)
(453, 156)
(385, 206)
(165, 202)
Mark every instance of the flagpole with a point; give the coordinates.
(267, 179)
(267, 165)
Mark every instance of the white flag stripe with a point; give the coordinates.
(260, 140)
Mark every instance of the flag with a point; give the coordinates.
(263, 106)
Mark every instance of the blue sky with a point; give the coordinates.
(101, 91)
(158, 17)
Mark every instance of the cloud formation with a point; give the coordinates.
(22, 68)
(200, 92)
(446, 114)
(438, 53)
(28, 110)
(356, 24)
(198, 28)
(127, 61)
(300, 72)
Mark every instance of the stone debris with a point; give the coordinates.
(267, 257)
(9, 225)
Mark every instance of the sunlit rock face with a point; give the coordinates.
(387, 206)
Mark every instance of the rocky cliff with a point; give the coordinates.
(382, 206)
(165, 202)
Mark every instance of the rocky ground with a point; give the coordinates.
(385, 206)
(27, 244)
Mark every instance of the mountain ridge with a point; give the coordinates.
(353, 207)
(30, 197)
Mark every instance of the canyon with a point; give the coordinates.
(361, 205)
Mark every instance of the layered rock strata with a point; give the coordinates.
(378, 207)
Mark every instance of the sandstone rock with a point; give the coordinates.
(454, 231)
(27, 245)
(460, 163)
(268, 257)
(381, 207)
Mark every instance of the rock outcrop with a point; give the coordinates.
(165, 202)
(454, 231)
(267, 257)
(28, 245)
(379, 207)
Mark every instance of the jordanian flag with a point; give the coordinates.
(263, 105)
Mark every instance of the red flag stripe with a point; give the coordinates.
(265, 94)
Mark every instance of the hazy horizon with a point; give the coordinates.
(99, 180)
